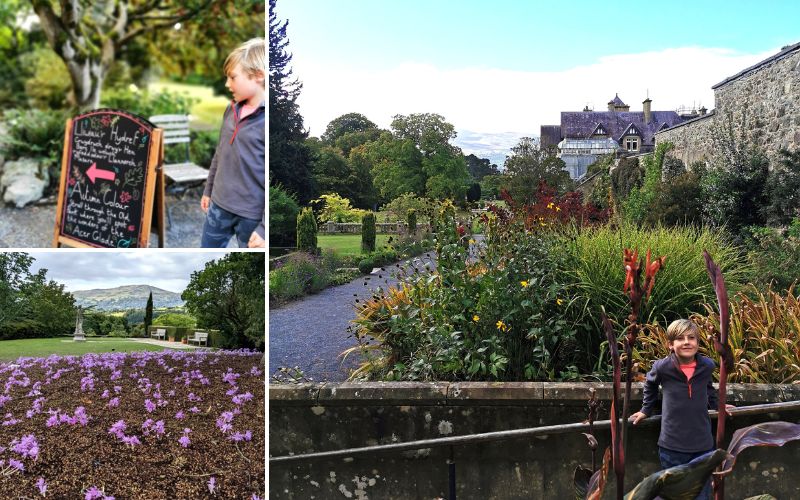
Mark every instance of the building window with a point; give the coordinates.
(632, 144)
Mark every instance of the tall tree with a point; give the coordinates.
(528, 165)
(88, 35)
(228, 295)
(480, 167)
(14, 271)
(289, 156)
(148, 312)
(396, 166)
(429, 131)
(47, 304)
(346, 124)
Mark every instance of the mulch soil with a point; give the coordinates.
(72, 458)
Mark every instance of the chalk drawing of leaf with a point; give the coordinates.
(133, 176)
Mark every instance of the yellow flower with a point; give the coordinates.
(550, 205)
(559, 301)
(502, 326)
(542, 224)
(558, 209)
(523, 283)
(476, 318)
(471, 241)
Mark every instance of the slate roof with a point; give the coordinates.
(581, 124)
(616, 101)
(785, 51)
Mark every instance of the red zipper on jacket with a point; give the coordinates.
(235, 121)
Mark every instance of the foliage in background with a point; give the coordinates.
(783, 189)
(306, 231)
(638, 202)
(47, 85)
(529, 165)
(348, 123)
(762, 335)
(491, 185)
(628, 176)
(30, 305)
(368, 233)
(302, 273)
(33, 133)
(335, 208)
(677, 202)
(147, 104)
(683, 285)
(176, 320)
(480, 167)
(411, 221)
(397, 209)
(228, 295)
(148, 312)
(283, 210)
(775, 256)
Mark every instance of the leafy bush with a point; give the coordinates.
(411, 221)
(636, 206)
(21, 329)
(306, 231)
(176, 320)
(681, 288)
(300, 274)
(627, 176)
(147, 104)
(678, 202)
(397, 209)
(337, 209)
(33, 133)
(501, 318)
(202, 147)
(368, 233)
(775, 257)
(49, 84)
(783, 189)
(283, 210)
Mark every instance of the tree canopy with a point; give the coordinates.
(528, 165)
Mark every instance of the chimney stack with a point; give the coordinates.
(703, 111)
(646, 107)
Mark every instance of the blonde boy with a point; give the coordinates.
(234, 197)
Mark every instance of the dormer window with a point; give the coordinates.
(599, 130)
(632, 144)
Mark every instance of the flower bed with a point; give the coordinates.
(133, 425)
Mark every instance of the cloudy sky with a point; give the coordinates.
(79, 270)
(499, 70)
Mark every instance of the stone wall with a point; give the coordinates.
(325, 417)
(762, 105)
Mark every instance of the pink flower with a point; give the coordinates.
(149, 406)
(212, 485)
(184, 441)
(42, 485)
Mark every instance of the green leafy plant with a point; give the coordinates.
(368, 233)
(411, 221)
(307, 231)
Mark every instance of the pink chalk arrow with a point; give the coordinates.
(96, 173)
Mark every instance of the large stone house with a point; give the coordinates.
(584, 136)
(760, 104)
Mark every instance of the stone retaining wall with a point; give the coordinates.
(321, 417)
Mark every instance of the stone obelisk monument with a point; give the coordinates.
(79, 327)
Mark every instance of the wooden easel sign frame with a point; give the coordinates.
(110, 169)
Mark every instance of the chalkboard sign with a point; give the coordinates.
(108, 180)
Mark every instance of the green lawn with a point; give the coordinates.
(348, 244)
(12, 349)
(207, 112)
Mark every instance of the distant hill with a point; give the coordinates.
(126, 297)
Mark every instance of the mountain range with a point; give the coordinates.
(126, 297)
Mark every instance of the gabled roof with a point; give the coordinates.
(600, 129)
(785, 51)
(630, 129)
(581, 124)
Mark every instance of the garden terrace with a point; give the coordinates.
(138, 425)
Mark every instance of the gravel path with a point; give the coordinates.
(32, 226)
(310, 333)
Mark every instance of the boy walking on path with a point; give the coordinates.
(685, 379)
(234, 197)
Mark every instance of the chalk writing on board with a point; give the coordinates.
(108, 157)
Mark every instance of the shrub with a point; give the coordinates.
(302, 273)
(368, 233)
(337, 209)
(306, 231)
(397, 209)
(147, 104)
(283, 210)
(446, 225)
(636, 206)
(474, 192)
(775, 257)
(34, 133)
(682, 285)
(49, 84)
(627, 176)
(176, 320)
(201, 149)
(22, 329)
(678, 202)
(411, 221)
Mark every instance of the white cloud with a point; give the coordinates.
(490, 101)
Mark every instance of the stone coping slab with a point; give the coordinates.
(488, 393)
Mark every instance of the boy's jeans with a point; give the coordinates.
(671, 458)
(220, 225)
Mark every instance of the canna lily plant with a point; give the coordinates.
(683, 482)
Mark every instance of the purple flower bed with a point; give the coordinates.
(133, 425)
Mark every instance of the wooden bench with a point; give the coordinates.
(199, 337)
(159, 333)
(185, 175)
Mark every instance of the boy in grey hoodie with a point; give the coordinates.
(234, 195)
(685, 380)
